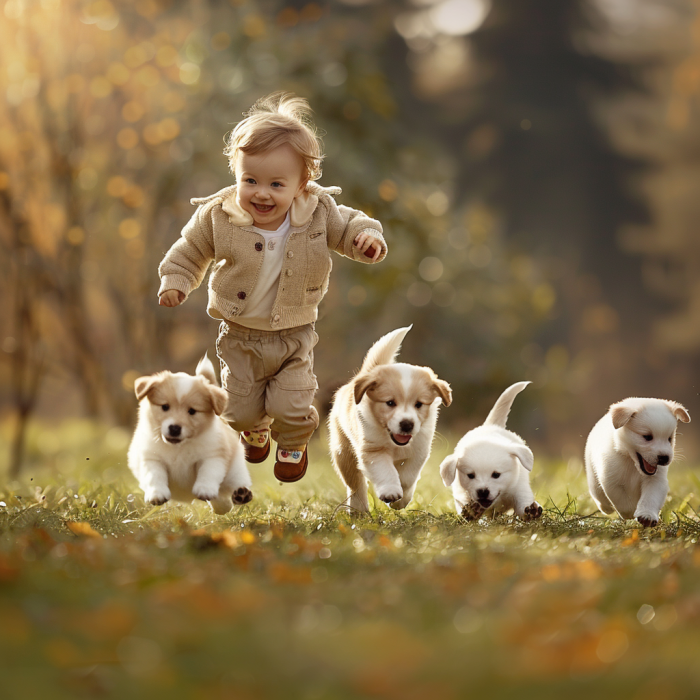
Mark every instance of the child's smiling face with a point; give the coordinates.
(268, 183)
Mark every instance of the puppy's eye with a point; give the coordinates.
(471, 476)
(166, 406)
(648, 438)
(670, 439)
(391, 403)
(191, 411)
(495, 475)
(418, 404)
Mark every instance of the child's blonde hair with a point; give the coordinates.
(273, 121)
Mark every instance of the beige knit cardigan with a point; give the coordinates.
(220, 231)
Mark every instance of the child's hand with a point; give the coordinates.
(366, 243)
(171, 297)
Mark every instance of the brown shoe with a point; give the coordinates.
(255, 454)
(289, 472)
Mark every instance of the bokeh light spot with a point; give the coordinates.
(127, 138)
(388, 190)
(419, 294)
(431, 269)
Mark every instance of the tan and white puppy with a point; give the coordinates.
(490, 467)
(181, 447)
(628, 453)
(382, 425)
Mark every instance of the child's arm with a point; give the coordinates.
(354, 234)
(185, 264)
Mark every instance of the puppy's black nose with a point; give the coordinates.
(662, 459)
(406, 426)
(174, 430)
(482, 493)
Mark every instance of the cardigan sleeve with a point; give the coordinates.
(185, 264)
(344, 224)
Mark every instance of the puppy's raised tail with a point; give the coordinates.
(385, 350)
(205, 369)
(501, 409)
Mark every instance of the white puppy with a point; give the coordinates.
(382, 425)
(491, 466)
(181, 447)
(628, 453)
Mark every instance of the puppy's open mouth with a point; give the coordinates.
(645, 466)
(173, 440)
(485, 502)
(400, 439)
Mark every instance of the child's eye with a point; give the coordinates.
(648, 438)
(471, 476)
(418, 404)
(166, 406)
(391, 402)
(249, 180)
(495, 475)
(191, 411)
(277, 184)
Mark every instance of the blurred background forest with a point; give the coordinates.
(535, 165)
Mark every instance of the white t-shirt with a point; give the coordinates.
(259, 307)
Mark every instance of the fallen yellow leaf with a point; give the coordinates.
(83, 530)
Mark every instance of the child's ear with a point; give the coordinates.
(302, 187)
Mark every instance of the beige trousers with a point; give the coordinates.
(270, 380)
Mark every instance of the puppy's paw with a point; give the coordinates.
(156, 497)
(242, 495)
(648, 520)
(533, 511)
(390, 496)
(400, 504)
(472, 511)
(221, 506)
(205, 492)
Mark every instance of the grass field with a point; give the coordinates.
(102, 596)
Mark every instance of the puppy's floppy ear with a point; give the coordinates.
(143, 386)
(218, 397)
(524, 455)
(443, 390)
(363, 383)
(621, 414)
(448, 470)
(679, 411)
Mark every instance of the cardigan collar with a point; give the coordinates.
(301, 211)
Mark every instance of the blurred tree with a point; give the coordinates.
(522, 93)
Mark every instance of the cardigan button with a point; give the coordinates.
(258, 246)
(290, 254)
(276, 318)
(241, 295)
(289, 272)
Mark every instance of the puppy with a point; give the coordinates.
(628, 453)
(382, 425)
(181, 447)
(490, 467)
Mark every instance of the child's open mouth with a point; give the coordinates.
(263, 208)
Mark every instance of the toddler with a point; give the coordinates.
(270, 237)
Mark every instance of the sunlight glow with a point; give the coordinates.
(459, 17)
